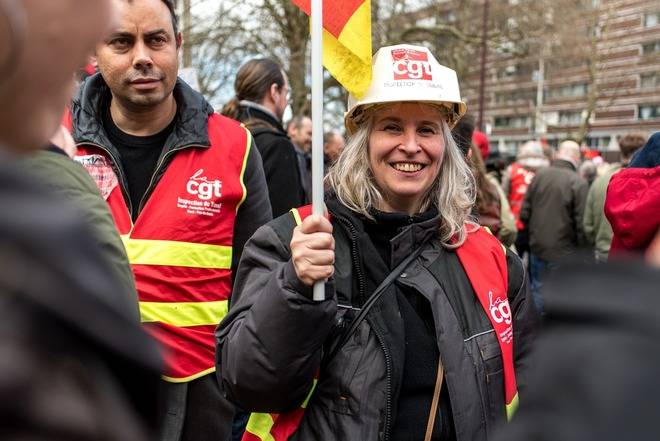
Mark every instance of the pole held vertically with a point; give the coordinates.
(317, 122)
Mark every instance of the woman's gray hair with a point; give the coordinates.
(452, 192)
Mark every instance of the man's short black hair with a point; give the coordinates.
(175, 19)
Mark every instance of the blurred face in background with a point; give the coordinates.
(334, 147)
(139, 59)
(302, 136)
(51, 42)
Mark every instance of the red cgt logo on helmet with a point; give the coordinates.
(411, 64)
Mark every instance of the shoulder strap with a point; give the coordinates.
(371, 301)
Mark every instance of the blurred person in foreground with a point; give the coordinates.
(552, 213)
(440, 353)
(186, 189)
(594, 374)
(632, 203)
(74, 361)
(261, 97)
(597, 229)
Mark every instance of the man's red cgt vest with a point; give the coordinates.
(180, 246)
(484, 260)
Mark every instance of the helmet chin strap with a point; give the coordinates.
(12, 12)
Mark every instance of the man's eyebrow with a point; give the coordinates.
(155, 32)
(120, 34)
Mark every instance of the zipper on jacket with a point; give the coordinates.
(117, 170)
(354, 256)
(388, 388)
(152, 181)
(379, 337)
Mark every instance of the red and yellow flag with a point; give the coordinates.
(346, 41)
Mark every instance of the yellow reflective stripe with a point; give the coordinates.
(512, 407)
(245, 158)
(296, 216)
(184, 313)
(259, 425)
(309, 395)
(189, 378)
(174, 253)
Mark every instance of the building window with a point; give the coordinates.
(566, 91)
(426, 22)
(516, 95)
(652, 19)
(649, 80)
(513, 122)
(651, 48)
(447, 17)
(649, 111)
(516, 70)
(570, 118)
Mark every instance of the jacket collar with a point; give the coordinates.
(405, 242)
(250, 111)
(192, 115)
(562, 163)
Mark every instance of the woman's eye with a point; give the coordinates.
(427, 130)
(391, 128)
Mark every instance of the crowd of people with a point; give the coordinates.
(158, 258)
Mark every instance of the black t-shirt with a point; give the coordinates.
(139, 155)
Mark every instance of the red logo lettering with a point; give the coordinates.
(411, 64)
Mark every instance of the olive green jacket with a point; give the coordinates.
(72, 182)
(597, 229)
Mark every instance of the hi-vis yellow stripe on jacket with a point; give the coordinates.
(180, 246)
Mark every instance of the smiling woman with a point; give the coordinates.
(402, 158)
(427, 319)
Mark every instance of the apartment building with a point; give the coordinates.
(550, 96)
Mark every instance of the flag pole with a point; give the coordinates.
(317, 122)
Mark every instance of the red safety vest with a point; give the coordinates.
(180, 246)
(484, 260)
(520, 180)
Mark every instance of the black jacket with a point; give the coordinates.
(553, 210)
(279, 158)
(190, 131)
(270, 345)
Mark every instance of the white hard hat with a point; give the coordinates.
(408, 73)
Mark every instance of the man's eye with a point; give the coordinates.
(120, 42)
(158, 40)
